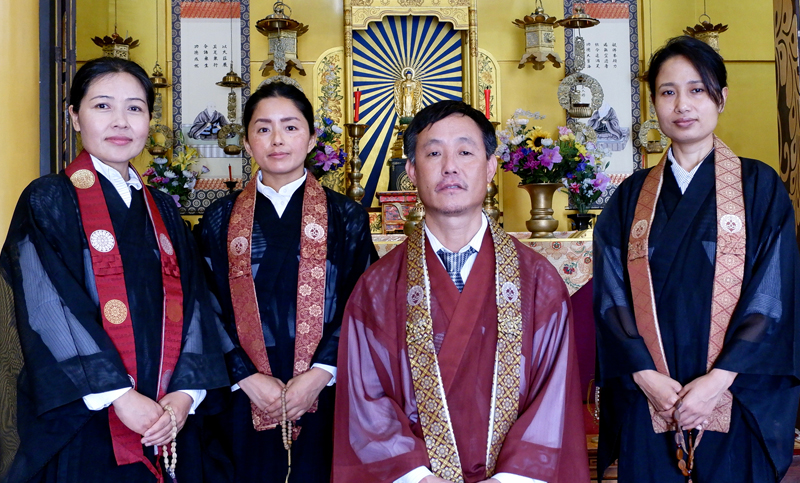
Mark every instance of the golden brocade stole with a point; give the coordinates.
(113, 296)
(728, 270)
(434, 416)
(310, 284)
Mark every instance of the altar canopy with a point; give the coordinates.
(383, 55)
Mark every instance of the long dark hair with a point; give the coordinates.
(103, 66)
(278, 89)
(706, 61)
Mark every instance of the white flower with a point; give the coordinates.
(170, 174)
(546, 142)
(163, 190)
(522, 122)
(336, 129)
(517, 140)
(160, 160)
(190, 184)
(188, 174)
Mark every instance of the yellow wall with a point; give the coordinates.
(749, 124)
(19, 63)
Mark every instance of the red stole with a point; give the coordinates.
(113, 295)
(309, 318)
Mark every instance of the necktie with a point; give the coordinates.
(454, 262)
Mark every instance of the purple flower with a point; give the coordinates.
(564, 131)
(549, 157)
(176, 198)
(600, 182)
(204, 169)
(581, 166)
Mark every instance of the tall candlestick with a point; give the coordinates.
(487, 96)
(357, 95)
(355, 131)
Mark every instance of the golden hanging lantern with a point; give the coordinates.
(540, 39)
(707, 32)
(157, 77)
(578, 20)
(116, 46)
(232, 80)
(281, 32)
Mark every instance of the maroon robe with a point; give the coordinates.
(377, 435)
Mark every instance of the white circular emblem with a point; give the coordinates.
(314, 231)
(415, 295)
(639, 229)
(731, 223)
(239, 245)
(102, 241)
(166, 245)
(510, 292)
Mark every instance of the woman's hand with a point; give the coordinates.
(700, 397)
(136, 411)
(662, 391)
(301, 392)
(161, 431)
(262, 390)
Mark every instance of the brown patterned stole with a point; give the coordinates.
(113, 296)
(728, 270)
(426, 374)
(310, 284)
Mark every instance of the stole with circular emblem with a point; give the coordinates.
(113, 295)
(728, 271)
(434, 415)
(310, 285)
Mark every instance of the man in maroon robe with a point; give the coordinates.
(477, 372)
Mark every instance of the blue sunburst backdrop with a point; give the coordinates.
(381, 55)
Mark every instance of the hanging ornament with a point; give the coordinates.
(707, 32)
(115, 45)
(572, 91)
(281, 32)
(540, 39)
(659, 141)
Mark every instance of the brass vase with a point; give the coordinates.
(542, 224)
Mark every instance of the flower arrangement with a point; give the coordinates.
(176, 178)
(329, 153)
(529, 151)
(585, 178)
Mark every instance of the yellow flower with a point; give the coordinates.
(568, 137)
(535, 137)
(581, 148)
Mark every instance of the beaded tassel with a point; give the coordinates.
(286, 432)
(170, 465)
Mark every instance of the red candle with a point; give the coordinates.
(357, 95)
(230, 173)
(487, 96)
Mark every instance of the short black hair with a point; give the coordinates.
(705, 60)
(278, 89)
(441, 110)
(103, 66)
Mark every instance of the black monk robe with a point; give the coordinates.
(259, 455)
(761, 343)
(48, 281)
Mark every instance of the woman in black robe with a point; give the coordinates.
(279, 135)
(61, 372)
(758, 359)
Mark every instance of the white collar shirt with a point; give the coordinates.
(123, 187)
(280, 199)
(475, 243)
(682, 176)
